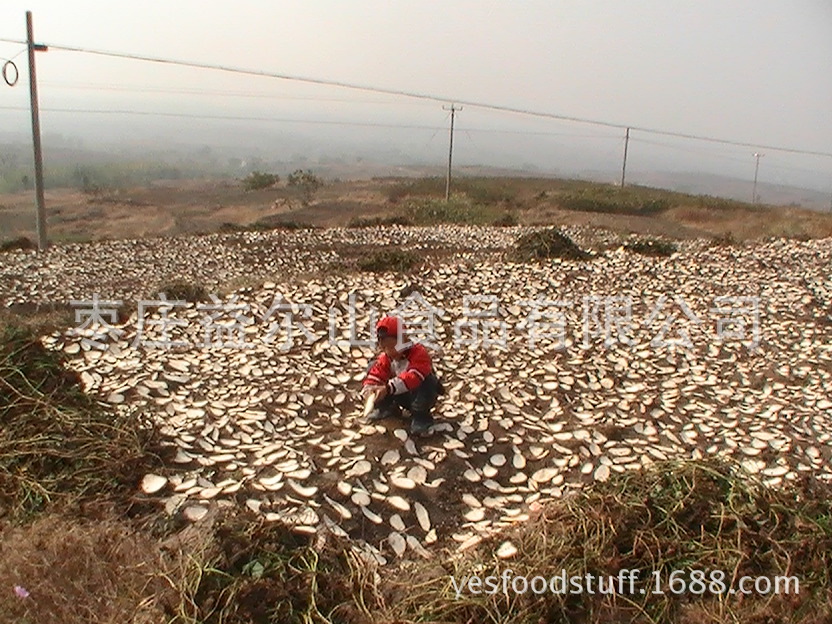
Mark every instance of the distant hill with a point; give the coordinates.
(732, 188)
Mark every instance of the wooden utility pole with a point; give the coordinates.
(33, 93)
(624, 166)
(754, 197)
(453, 110)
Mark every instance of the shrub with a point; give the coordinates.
(507, 220)
(675, 516)
(266, 224)
(652, 247)
(183, 291)
(483, 191)
(395, 260)
(257, 180)
(548, 243)
(306, 182)
(21, 243)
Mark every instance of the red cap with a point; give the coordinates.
(389, 326)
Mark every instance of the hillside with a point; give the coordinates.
(653, 401)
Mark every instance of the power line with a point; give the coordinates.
(421, 96)
(212, 92)
(691, 150)
(16, 55)
(223, 117)
(294, 120)
(711, 154)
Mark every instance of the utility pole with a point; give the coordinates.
(754, 197)
(33, 93)
(624, 166)
(453, 110)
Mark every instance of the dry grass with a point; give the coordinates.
(237, 569)
(38, 319)
(90, 571)
(744, 222)
(676, 517)
(195, 206)
(247, 570)
(56, 443)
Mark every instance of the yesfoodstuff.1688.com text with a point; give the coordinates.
(627, 582)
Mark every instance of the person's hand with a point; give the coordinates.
(378, 390)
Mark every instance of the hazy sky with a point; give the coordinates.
(757, 71)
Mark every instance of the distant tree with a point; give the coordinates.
(8, 160)
(85, 177)
(257, 180)
(306, 182)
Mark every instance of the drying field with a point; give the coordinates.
(565, 379)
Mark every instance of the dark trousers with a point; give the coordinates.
(420, 400)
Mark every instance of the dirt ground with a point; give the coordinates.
(203, 206)
(166, 209)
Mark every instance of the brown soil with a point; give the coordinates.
(191, 206)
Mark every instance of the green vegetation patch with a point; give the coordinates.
(458, 210)
(613, 201)
(477, 190)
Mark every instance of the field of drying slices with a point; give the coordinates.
(255, 416)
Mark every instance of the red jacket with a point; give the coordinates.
(416, 366)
